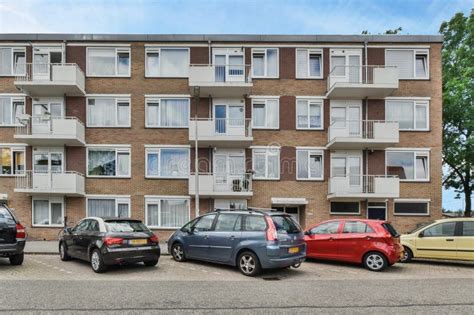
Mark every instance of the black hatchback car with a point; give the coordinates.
(12, 236)
(109, 241)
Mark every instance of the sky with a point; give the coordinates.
(231, 17)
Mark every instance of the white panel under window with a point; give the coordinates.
(174, 62)
(403, 60)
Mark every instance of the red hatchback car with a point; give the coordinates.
(374, 243)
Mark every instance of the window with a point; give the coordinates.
(108, 207)
(326, 228)
(265, 63)
(266, 163)
(12, 161)
(48, 212)
(167, 113)
(408, 165)
(468, 228)
(442, 229)
(309, 164)
(410, 114)
(108, 112)
(411, 208)
(166, 212)
(205, 223)
(309, 63)
(170, 162)
(338, 167)
(108, 62)
(265, 113)
(411, 64)
(167, 62)
(11, 108)
(356, 227)
(228, 222)
(108, 162)
(254, 223)
(345, 208)
(5, 216)
(12, 61)
(309, 114)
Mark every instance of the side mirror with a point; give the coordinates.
(307, 233)
(68, 230)
(421, 234)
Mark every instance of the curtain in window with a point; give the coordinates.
(153, 64)
(123, 63)
(152, 215)
(123, 114)
(315, 165)
(174, 112)
(5, 61)
(5, 111)
(401, 111)
(102, 112)
(174, 213)
(259, 115)
(260, 164)
(174, 62)
(56, 213)
(101, 61)
(152, 114)
(237, 165)
(315, 65)
(272, 62)
(258, 64)
(302, 113)
(152, 164)
(354, 69)
(122, 210)
(314, 116)
(101, 163)
(302, 157)
(18, 161)
(403, 60)
(338, 166)
(174, 162)
(41, 212)
(101, 207)
(272, 113)
(301, 63)
(421, 113)
(273, 171)
(123, 162)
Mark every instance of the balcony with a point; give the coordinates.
(51, 80)
(361, 134)
(359, 82)
(221, 80)
(364, 187)
(51, 183)
(221, 132)
(222, 186)
(44, 130)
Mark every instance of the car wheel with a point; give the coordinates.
(249, 264)
(375, 261)
(407, 255)
(16, 260)
(177, 251)
(151, 263)
(63, 252)
(97, 263)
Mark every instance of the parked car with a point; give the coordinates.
(109, 241)
(12, 236)
(450, 239)
(374, 243)
(249, 239)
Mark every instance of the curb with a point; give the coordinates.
(51, 253)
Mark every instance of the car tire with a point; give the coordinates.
(97, 262)
(63, 252)
(408, 255)
(177, 251)
(375, 261)
(248, 264)
(151, 263)
(17, 260)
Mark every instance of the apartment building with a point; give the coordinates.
(165, 127)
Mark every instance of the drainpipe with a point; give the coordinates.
(366, 60)
(209, 51)
(196, 152)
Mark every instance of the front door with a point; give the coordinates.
(377, 211)
(43, 58)
(346, 118)
(229, 171)
(346, 65)
(229, 65)
(45, 164)
(229, 119)
(43, 113)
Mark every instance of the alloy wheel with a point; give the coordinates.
(61, 251)
(95, 261)
(178, 253)
(374, 262)
(247, 264)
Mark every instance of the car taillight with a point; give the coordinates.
(20, 232)
(271, 232)
(154, 239)
(111, 241)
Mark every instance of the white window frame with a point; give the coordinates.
(416, 102)
(118, 149)
(310, 151)
(309, 102)
(308, 52)
(157, 150)
(117, 51)
(14, 148)
(265, 63)
(415, 52)
(268, 152)
(416, 153)
(50, 200)
(12, 61)
(118, 200)
(345, 213)
(158, 100)
(156, 200)
(14, 99)
(260, 100)
(158, 50)
(426, 201)
(118, 99)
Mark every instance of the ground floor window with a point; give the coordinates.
(108, 207)
(166, 212)
(340, 207)
(411, 207)
(48, 212)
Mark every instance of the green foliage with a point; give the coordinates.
(394, 31)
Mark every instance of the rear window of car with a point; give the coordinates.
(5, 216)
(286, 224)
(390, 229)
(125, 226)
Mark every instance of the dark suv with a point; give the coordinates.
(249, 239)
(12, 236)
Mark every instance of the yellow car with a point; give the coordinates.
(450, 239)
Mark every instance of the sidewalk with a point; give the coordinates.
(51, 248)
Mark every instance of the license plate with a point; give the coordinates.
(138, 242)
(293, 250)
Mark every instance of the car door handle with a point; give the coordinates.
(206, 237)
(232, 237)
(368, 238)
(331, 239)
(449, 240)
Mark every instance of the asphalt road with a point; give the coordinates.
(44, 284)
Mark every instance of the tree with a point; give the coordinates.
(394, 31)
(458, 105)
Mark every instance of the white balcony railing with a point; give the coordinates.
(208, 74)
(221, 184)
(377, 130)
(217, 127)
(376, 186)
(48, 182)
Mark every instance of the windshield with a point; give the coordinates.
(423, 225)
(286, 224)
(389, 228)
(125, 226)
